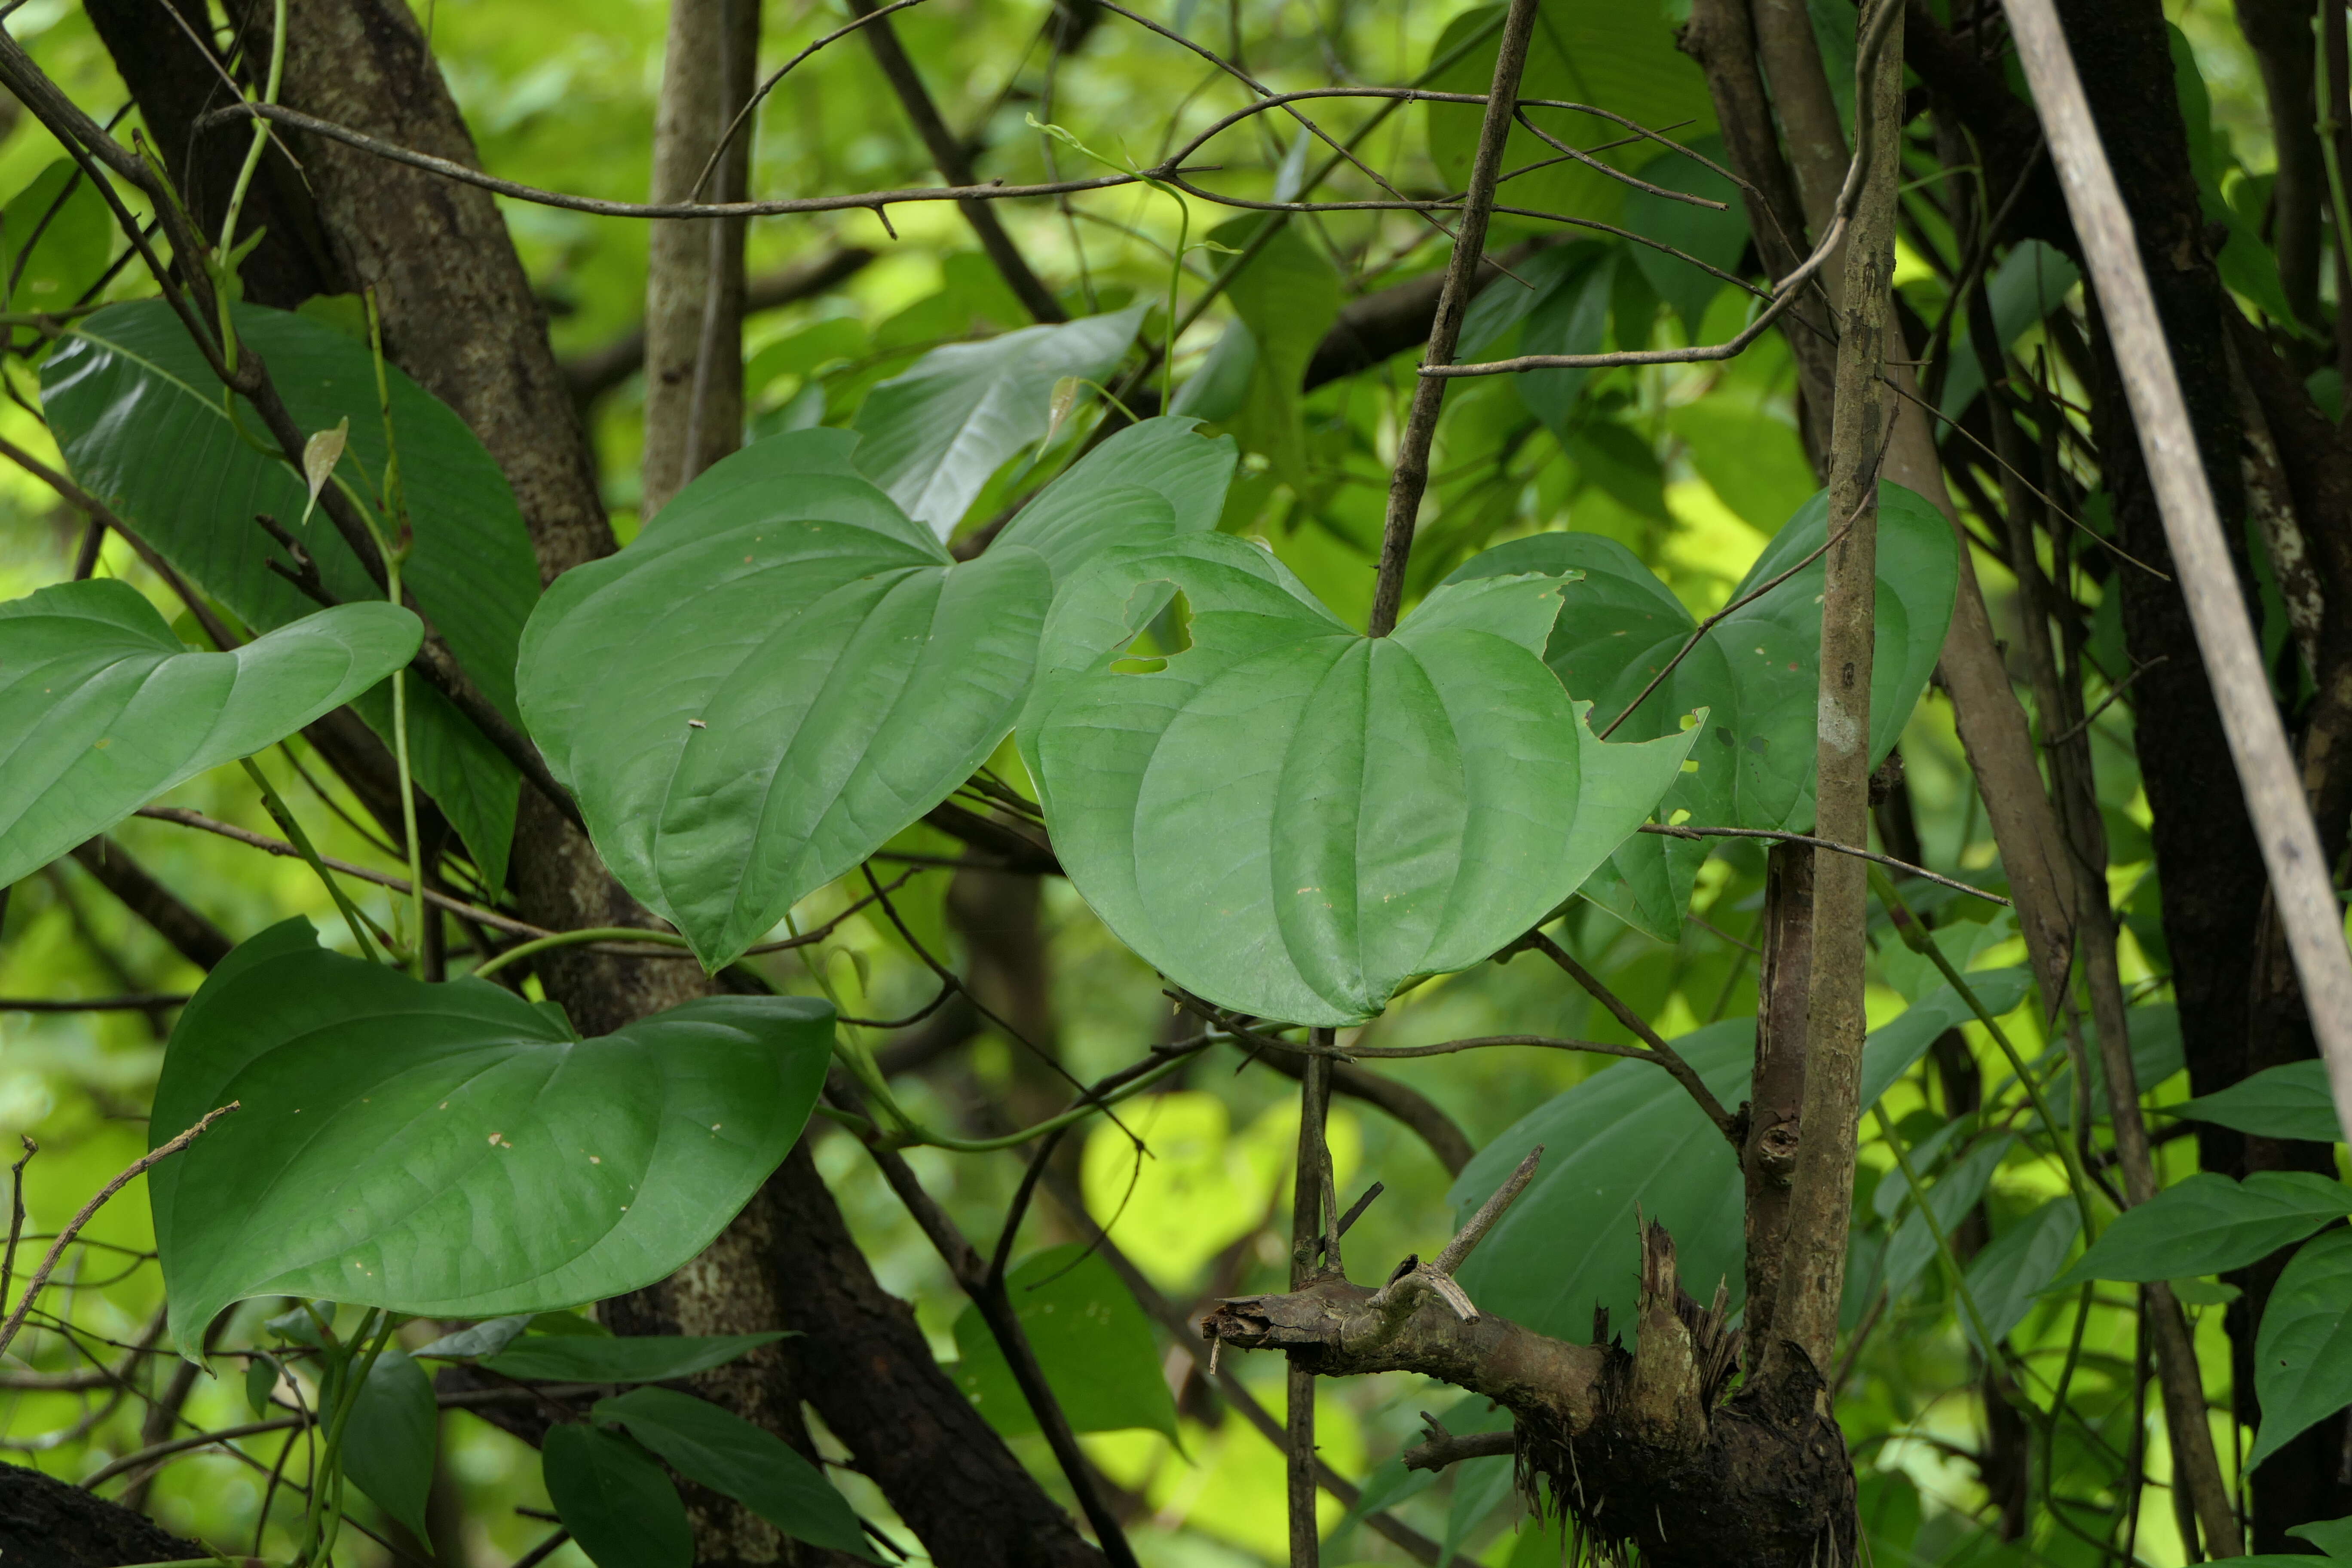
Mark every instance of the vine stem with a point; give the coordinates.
(395, 507)
(326, 1514)
(283, 814)
(1920, 939)
(245, 173)
(523, 950)
(1821, 1187)
(1308, 1240)
(1411, 478)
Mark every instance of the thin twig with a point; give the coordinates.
(1457, 1251)
(2105, 703)
(1699, 632)
(1679, 830)
(1410, 475)
(760, 95)
(16, 1215)
(73, 1226)
(1664, 1054)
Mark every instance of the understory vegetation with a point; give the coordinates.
(1061, 783)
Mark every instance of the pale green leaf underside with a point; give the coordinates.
(449, 1150)
(934, 434)
(785, 669)
(102, 709)
(1292, 820)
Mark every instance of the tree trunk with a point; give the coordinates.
(46, 1523)
(460, 318)
(693, 268)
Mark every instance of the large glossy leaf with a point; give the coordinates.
(1756, 673)
(141, 422)
(1629, 1140)
(2209, 1224)
(1459, 798)
(451, 1150)
(2290, 1101)
(1091, 1341)
(2302, 1351)
(103, 708)
(748, 1463)
(934, 434)
(389, 1445)
(785, 669)
(615, 1499)
(1621, 57)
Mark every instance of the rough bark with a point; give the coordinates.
(1991, 724)
(2205, 849)
(1777, 1092)
(176, 78)
(1721, 37)
(2279, 32)
(1635, 1448)
(460, 317)
(866, 1367)
(458, 311)
(47, 1523)
(694, 268)
(1821, 1194)
(2303, 1480)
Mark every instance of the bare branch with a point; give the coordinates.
(73, 1227)
(1411, 474)
(1660, 1051)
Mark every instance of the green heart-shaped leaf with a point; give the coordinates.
(141, 420)
(1757, 672)
(453, 1150)
(934, 434)
(785, 669)
(108, 709)
(1293, 820)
